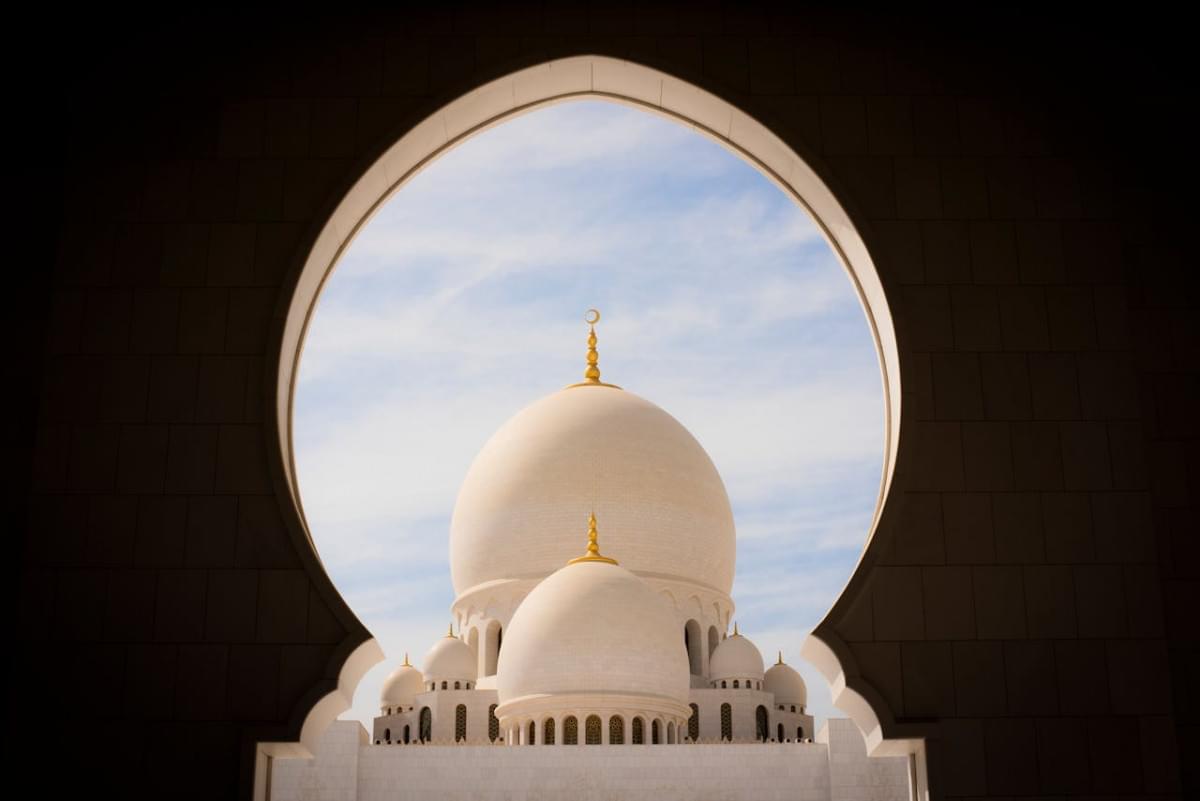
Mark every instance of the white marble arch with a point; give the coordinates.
(640, 86)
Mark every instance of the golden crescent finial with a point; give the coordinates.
(406, 660)
(450, 631)
(780, 662)
(591, 375)
(593, 546)
(735, 631)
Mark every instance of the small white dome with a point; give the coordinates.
(450, 659)
(666, 513)
(735, 658)
(593, 628)
(401, 686)
(785, 683)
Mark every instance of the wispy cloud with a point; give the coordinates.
(459, 304)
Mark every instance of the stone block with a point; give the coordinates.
(1023, 322)
(231, 608)
(1030, 679)
(1054, 386)
(987, 456)
(1050, 601)
(918, 188)
(179, 606)
(976, 318)
(896, 603)
(979, 678)
(969, 531)
(964, 188)
(1012, 766)
(948, 603)
(1037, 456)
(282, 606)
(928, 670)
(999, 602)
(957, 386)
(993, 252)
(1085, 453)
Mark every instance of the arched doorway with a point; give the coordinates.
(524, 91)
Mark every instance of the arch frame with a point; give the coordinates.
(521, 89)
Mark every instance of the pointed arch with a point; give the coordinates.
(426, 724)
(571, 731)
(616, 730)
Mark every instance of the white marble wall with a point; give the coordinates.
(332, 775)
(854, 776)
(835, 768)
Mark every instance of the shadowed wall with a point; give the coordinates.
(1025, 604)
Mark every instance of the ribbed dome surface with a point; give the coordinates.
(593, 628)
(736, 658)
(592, 448)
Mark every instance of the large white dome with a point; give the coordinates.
(595, 447)
(593, 629)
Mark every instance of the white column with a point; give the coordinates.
(538, 734)
(604, 738)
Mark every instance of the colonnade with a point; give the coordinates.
(666, 730)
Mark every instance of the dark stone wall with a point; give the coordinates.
(1028, 603)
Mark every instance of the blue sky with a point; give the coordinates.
(461, 302)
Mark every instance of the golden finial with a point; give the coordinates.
(735, 631)
(450, 631)
(593, 547)
(780, 662)
(406, 660)
(591, 376)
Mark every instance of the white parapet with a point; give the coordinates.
(347, 768)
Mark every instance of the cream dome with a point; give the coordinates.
(593, 629)
(786, 684)
(449, 659)
(736, 658)
(666, 513)
(401, 687)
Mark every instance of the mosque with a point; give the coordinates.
(592, 552)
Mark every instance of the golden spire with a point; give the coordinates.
(593, 548)
(591, 376)
(735, 631)
(780, 662)
(406, 660)
(450, 631)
